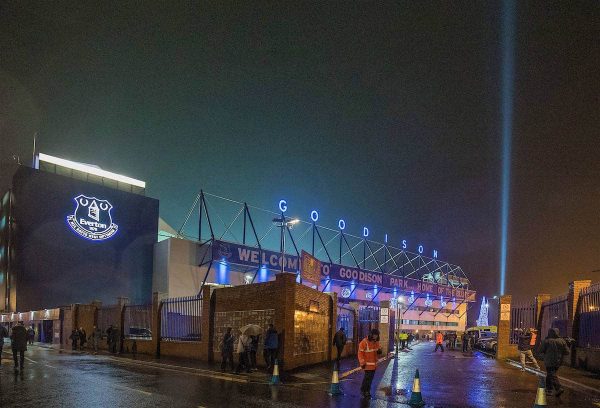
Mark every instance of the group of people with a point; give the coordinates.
(553, 348)
(78, 338)
(402, 340)
(246, 347)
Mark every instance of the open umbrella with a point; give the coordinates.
(251, 330)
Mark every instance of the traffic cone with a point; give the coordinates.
(416, 400)
(540, 398)
(335, 382)
(275, 378)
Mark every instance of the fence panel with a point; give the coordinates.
(181, 319)
(107, 316)
(521, 317)
(137, 322)
(555, 315)
(588, 310)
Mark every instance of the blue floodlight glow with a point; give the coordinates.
(342, 224)
(314, 215)
(282, 205)
(508, 68)
(263, 274)
(365, 232)
(223, 272)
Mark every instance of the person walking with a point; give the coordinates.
(339, 341)
(95, 338)
(554, 349)
(3, 334)
(524, 347)
(227, 350)
(533, 338)
(453, 337)
(368, 350)
(74, 337)
(465, 342)
(30, 335)
(271, 345)
(411, 338)
(243, 347)
(439, 342)
(115, 337)
(82, 338)
(18, 340)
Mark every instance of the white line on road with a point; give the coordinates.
(562, 379)
(131, 389)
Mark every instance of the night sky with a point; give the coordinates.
(386, 115)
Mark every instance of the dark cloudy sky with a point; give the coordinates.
(385, 114)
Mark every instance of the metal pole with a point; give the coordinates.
(282, 242)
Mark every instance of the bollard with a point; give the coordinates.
(540, 398)
(416, 399)
(275, 378)
(335, 382)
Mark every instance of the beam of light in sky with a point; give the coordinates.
(508, 51)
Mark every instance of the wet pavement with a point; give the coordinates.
(451, 379)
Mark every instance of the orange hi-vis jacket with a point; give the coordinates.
(439, 338)
(533, 339)
(367, 354)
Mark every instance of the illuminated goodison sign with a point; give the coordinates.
(92, 218)
(314, 216)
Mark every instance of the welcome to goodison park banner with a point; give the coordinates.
(237, 254)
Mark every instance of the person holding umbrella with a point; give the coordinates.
(244, 345)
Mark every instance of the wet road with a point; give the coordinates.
(448, 380)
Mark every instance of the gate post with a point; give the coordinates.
(505, 349)
(575, 288)
(384, 326)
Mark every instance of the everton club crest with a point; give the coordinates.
(92, 219)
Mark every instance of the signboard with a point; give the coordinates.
(505, 311)
(384, 315)
(311, 268)
(250, 256)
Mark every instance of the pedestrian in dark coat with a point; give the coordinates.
(227, 350)
(74, 337)
(115, 337)
(271, 346)
(18, 339)
(3, 334)
(465, 342)
(554, 349)
(339, 341)
(82, 338)
(95, 337)
(30, 335)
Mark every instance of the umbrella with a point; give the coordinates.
(251, 330)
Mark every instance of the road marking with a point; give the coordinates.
(131, 389)
(180, 369)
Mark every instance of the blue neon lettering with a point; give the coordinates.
(314, 215)
(342, 224)
(282, 205)
(404, 244)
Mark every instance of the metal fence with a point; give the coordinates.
(554, 314)
(107, 316)
(137, 322)
(181, 319)
(521, 317)
(588, 310)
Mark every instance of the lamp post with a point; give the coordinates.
(283, 222)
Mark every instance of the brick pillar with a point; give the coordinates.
(384, 326)
(505, 349)
(575, 288)
(332, 324)
(284, 317)
(207, 324)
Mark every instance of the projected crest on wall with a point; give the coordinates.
(92, 218)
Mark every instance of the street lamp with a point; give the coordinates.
(283, 223)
